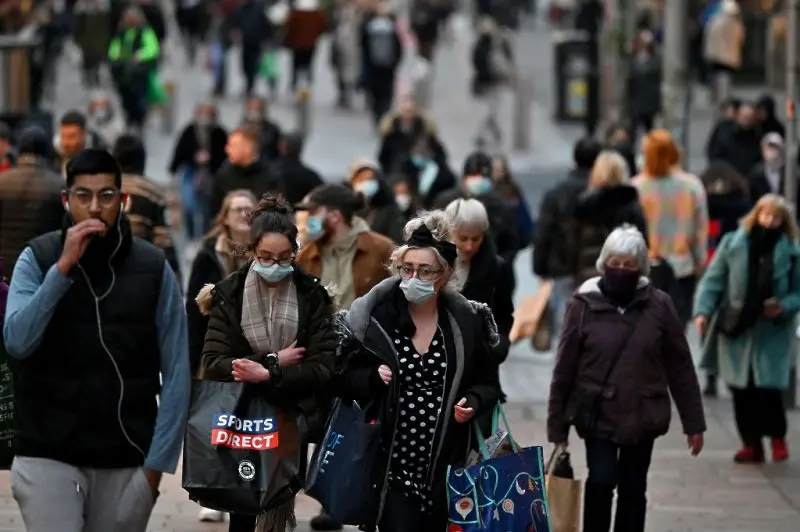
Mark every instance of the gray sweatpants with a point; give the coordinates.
(56, 496)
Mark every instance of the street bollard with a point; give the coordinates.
(304, 112)
(169, 108)
(523, 100)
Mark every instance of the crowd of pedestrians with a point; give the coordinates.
(390, 286)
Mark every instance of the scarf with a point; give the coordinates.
(269, 323)
(269, 313)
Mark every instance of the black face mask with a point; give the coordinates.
(620, 283)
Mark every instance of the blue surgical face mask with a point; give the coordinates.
(314, 227)
(274, 273)
(368, 187)
(419, 161)
(477, 186)
(417, 291)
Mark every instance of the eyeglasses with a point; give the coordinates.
(84, 197)
(241, 210)
(269, 261)
(424, 273)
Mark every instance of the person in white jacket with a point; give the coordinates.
(722, 49)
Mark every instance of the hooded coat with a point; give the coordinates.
(303, 387)
(469, 331)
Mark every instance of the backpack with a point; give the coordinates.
(382, 42)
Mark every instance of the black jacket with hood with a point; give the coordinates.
(597, 213)
(472, 373)
(303, 387)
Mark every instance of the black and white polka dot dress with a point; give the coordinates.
(422, 384)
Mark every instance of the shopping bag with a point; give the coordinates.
(530, 316)
(7, 425)
(240, 454)
(500, 494)
(563, 492)
(156, 93)
(340, 474)
(269, 68)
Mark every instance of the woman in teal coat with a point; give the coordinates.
(745, 304)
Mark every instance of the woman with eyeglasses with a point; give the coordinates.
(269, 323)
(421, 351)
(219, 256)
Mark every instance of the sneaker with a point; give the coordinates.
(749, 455)
(325, 522)
(780, 452)
(207, 515)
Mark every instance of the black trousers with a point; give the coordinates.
(251, 56)
(302, 64)
(401, 514)
(759, 413)
(625, 468)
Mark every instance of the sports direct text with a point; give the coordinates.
(231, 431)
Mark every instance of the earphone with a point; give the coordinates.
(97, 300)
(66, 206)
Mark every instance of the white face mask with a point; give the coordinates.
(403, 201)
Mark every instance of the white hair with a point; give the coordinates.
(467, 213)
(625, 241)
(439, 225)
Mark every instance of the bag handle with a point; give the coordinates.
(558, 450)
(497, 414)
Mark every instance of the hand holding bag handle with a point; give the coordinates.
(497, 414)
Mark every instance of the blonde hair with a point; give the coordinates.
(440, 227)
(779, 206)
(609, 170)
(219, 222)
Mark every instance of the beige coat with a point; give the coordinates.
(724, 39)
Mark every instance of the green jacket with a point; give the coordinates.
(141, 43)
(767, 347)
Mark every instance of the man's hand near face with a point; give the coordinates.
(78, 238)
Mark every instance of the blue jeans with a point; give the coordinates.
(623, 467)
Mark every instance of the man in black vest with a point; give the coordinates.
(94, 316)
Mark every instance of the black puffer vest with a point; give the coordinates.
(87, 395)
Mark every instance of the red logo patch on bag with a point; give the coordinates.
(250, 434)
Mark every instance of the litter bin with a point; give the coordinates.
(17, 54)
(573, 72)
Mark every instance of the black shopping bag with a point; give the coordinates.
(340, 474)
(240, 454)
(7, 424)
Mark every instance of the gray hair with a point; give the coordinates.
(440, 227)
(626, 241)
(469, 213)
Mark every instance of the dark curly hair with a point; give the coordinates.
(272, 215)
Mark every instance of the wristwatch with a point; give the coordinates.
(273, 364)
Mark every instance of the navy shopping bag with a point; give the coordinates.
(340, 474)
(503, 494)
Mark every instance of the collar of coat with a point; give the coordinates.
(232, 286)
(360, 313)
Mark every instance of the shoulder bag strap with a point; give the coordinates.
(618, 355)
(792, 270)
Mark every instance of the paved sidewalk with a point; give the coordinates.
(708, 493)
